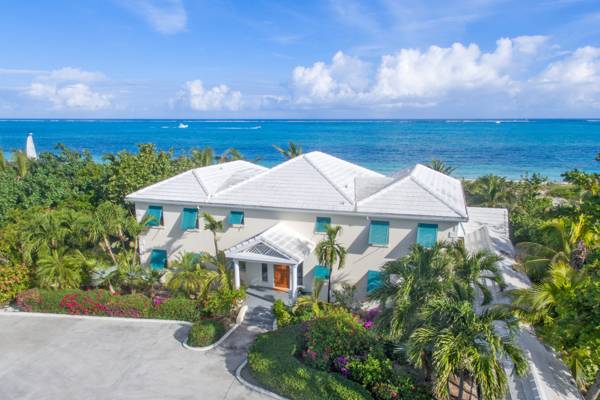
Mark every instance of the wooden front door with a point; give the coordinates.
(281, 276)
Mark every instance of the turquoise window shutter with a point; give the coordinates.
(156, 213)
(427, 235)
(189, 219)
(379, 233)
(321, 272)
(158, 259)
(321, 224)
(236, 218)
(373, 280)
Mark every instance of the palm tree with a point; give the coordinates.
(222, 280)
(106, 221)
(103, 275)
(188, 276)
(410, 282)
(203, 157)
(312, 301)
(567, 241)
(464, 348)
(440, 166)
(231, 154)
(489, 191)
(330, 252)
(473, 268)
(21, 162)
(292, 151)
(213, 225)
(58, 270)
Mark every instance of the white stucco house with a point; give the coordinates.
(275, 217)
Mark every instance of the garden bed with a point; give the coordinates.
(101, 303)
(273, 363)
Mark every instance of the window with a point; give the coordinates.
(189, 219)
(156, 216)
(373, 280)
(379, 233)
(265, 272)
(301, 274)
(242, 266)
(321, 272)
(236, 218)
(427, 235)
(158, 259)
(321, 224)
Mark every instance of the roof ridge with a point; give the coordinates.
(434, 194)
(199, 180)
(144, 189)
(312, 164)
(264, 172)
(389, 185)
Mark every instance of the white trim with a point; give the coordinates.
(94, 317)
(238, 375)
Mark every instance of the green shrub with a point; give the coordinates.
(339, 333)
(222, 303)
(370, 371)
(13, 279)
(282, 313)
(273, 363)
(177, 308)
(206, 332)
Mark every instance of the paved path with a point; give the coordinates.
(46, 358)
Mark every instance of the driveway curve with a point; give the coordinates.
(43, 357)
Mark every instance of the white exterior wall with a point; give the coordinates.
(354, 237)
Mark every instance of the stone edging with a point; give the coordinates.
(238, 375)
(94, 317)
(238, 322)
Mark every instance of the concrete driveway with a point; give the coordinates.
(68, 358)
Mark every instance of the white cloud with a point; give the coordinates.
(164, 16)
(75, 96)
(72, 74)
(219, 97)
(344, 78)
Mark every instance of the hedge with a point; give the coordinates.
(273, 363)
(205, 333)
(13, 279)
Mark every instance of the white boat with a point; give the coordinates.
(182, 125)
(30, 148)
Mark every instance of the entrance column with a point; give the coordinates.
(294, 273)
(236, 273)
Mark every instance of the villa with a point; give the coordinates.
(275, 217)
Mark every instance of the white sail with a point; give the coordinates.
(30, 148)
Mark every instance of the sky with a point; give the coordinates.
(300, 59)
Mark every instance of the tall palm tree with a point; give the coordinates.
(410, 282)
(464, 348)
(474, 268)
(188, 276)
(292, 151)
(21, 162)
(440, 166)
(105, 222)
(490, 191)
(330, 252)
(58, 270)
(567, 241)
(213, 225)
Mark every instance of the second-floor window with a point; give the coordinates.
(236, 218)
(189, 219)
(156, 216)
(321, 224)
(427, 235)
(379, 233)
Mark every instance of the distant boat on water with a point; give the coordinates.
(182, 125)
(30, 148)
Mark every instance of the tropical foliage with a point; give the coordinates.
(330, 252)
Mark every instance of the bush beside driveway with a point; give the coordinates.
(71, 358)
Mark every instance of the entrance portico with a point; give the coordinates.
(272, 258)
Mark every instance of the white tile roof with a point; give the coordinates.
(279, 243)
(198, 185)
(316, 181)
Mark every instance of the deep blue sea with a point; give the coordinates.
(475, 147)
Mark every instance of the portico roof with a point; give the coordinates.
(278, 244)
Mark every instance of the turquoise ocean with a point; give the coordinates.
(505, 147)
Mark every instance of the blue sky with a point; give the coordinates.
(322, 59)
